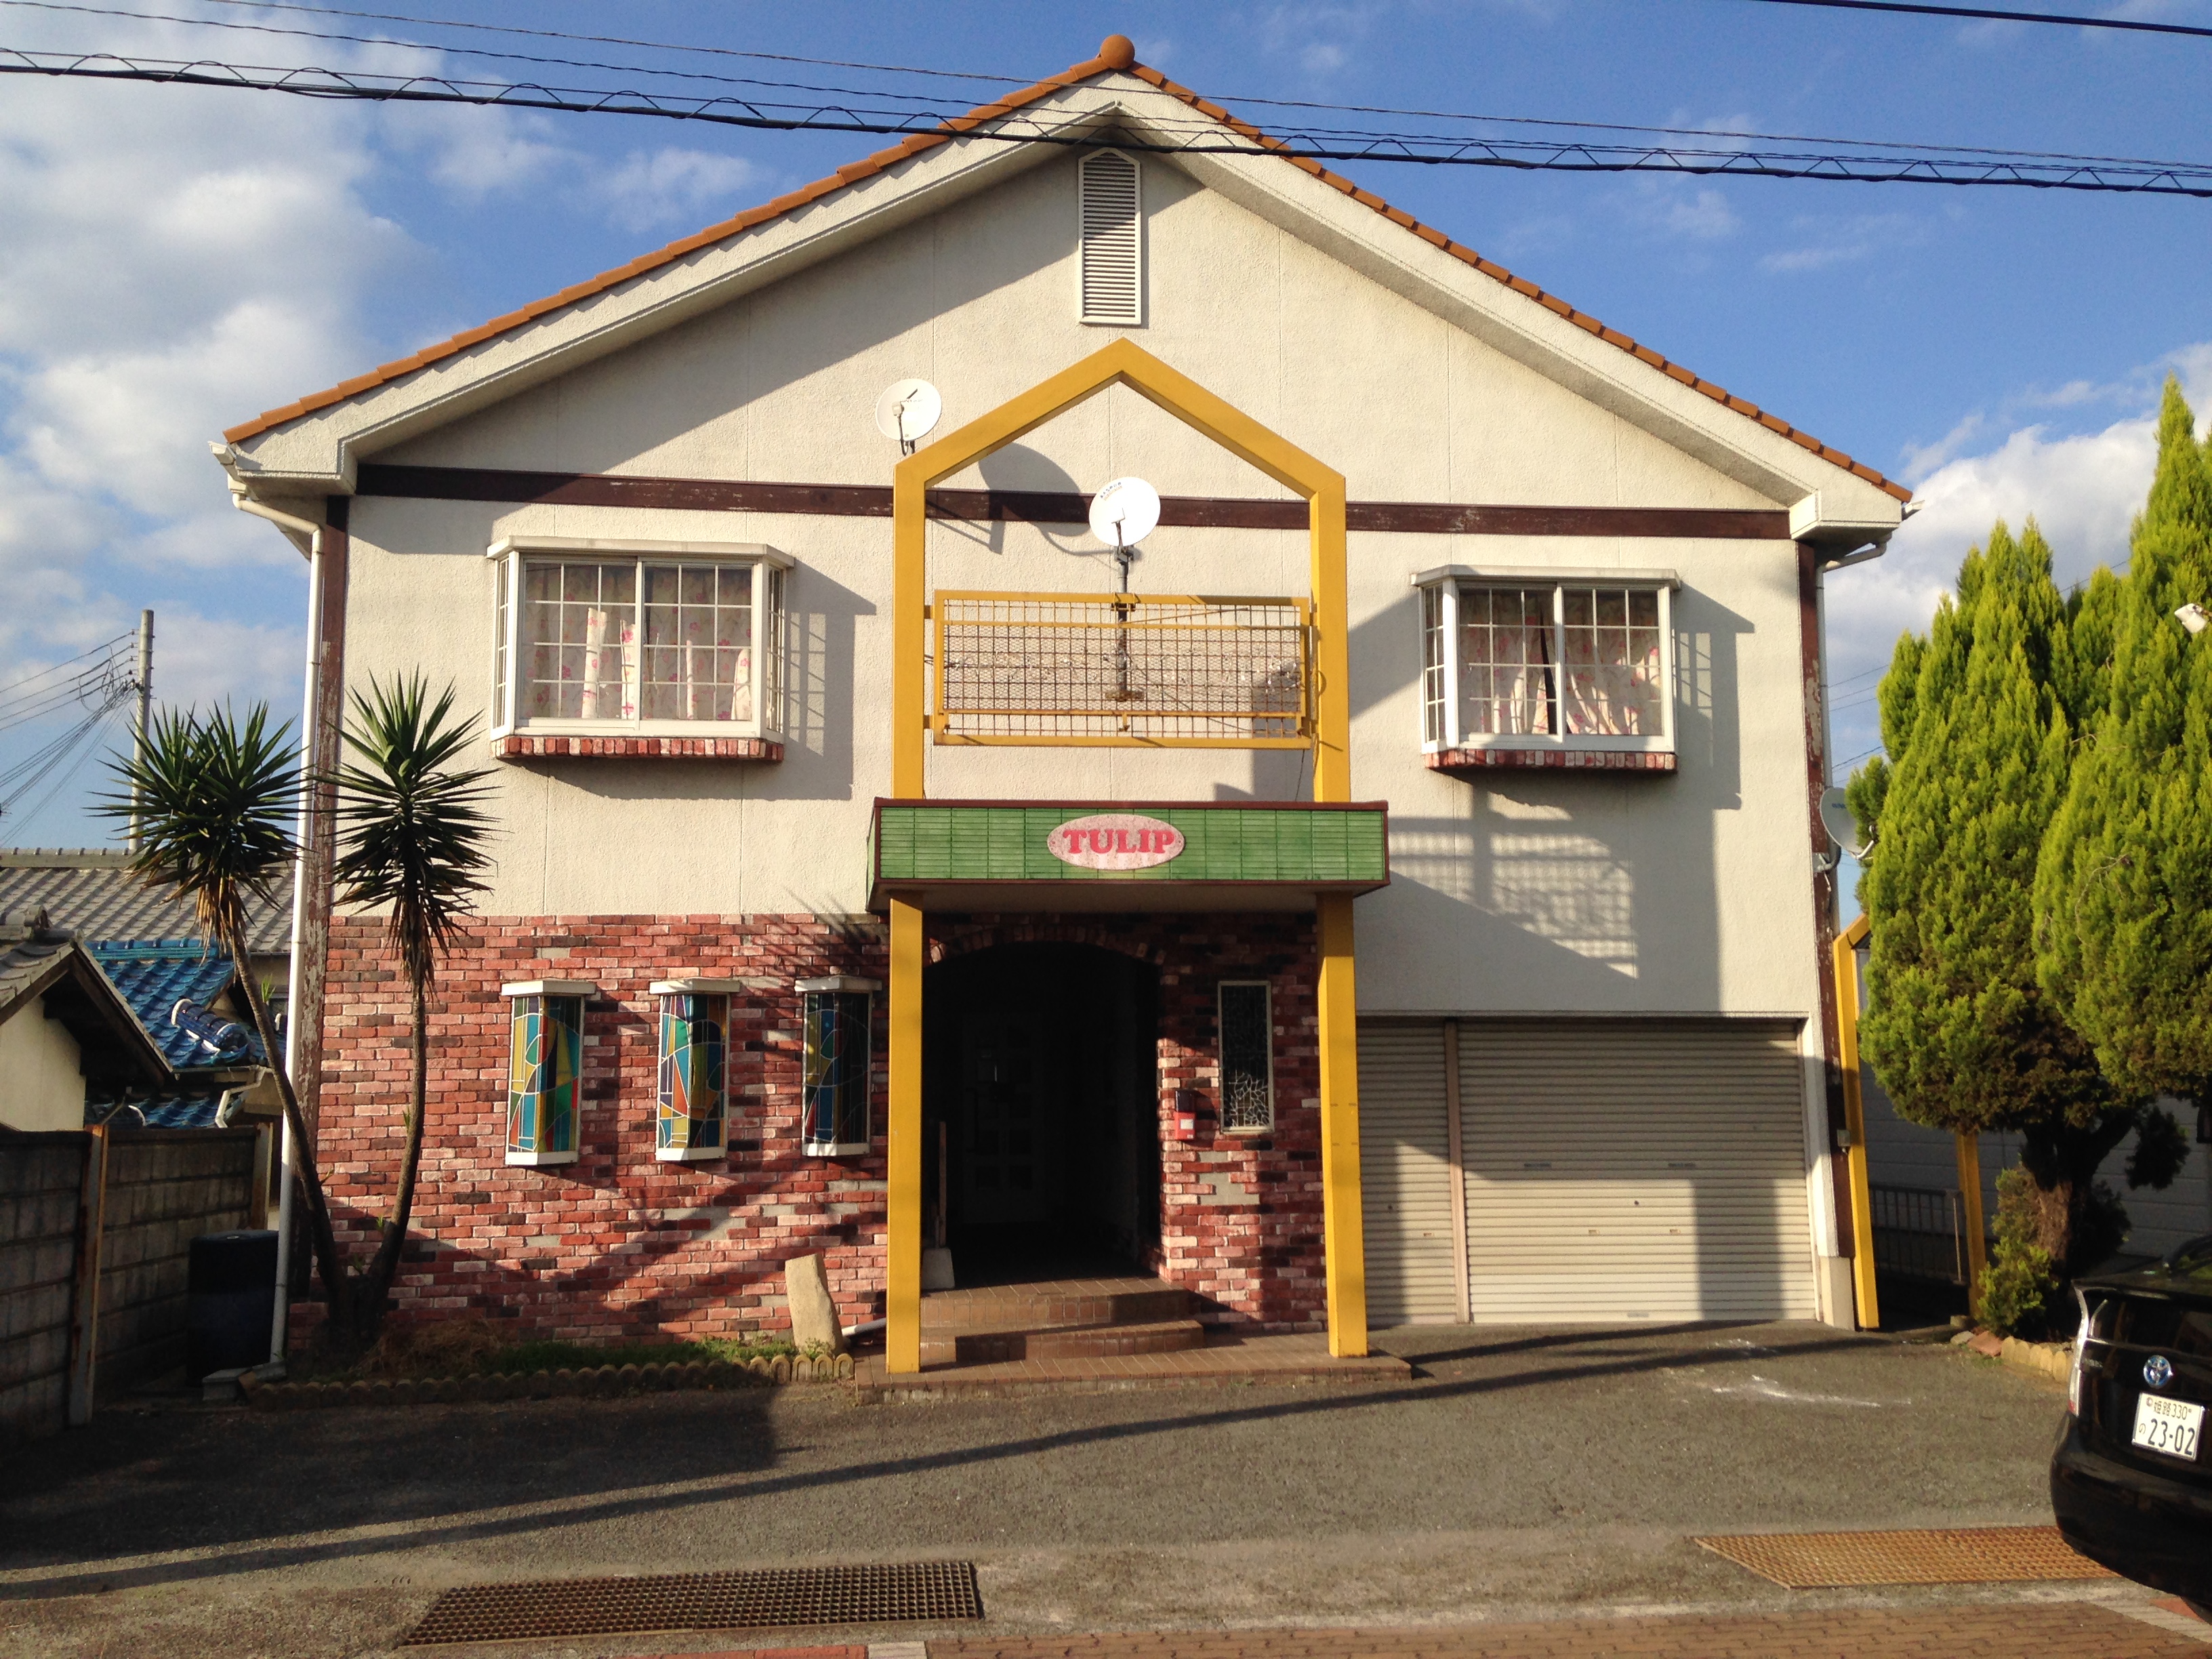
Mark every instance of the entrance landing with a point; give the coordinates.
(1097, 1333)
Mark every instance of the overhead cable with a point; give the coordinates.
(1991, 15)
(1018, 126)
(936, 106)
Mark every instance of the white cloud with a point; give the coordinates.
(1826, 240)
(2083, 490)
(650, 188)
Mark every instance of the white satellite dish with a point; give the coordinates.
(1842, 828)
(1124, 513)
(908, 411)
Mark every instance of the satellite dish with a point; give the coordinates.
(1124, 513)
(908, 411)
(1836, 818)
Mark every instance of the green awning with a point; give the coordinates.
(1180, 855)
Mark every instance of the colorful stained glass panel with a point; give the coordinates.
(693, 1096)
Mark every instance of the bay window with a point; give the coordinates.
(649, 639)
(1579, 660)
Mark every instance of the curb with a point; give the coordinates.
(2052, 1359)
(590, 1383)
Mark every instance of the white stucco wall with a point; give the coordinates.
(41, 1079)
(1590, 891)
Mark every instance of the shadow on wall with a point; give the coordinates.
(1577, 882)
(819, 675)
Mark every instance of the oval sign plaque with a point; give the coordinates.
(1114, 841)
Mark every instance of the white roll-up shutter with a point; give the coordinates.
(1634, 1169)
(1406, 1176)
(1113, 239)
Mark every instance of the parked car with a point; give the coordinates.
(2131, 1481)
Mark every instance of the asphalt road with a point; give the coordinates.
(1522, 1474)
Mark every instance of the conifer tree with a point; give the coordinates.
(1959, 1025)
(2124, 893)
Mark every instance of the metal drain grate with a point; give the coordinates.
(1958, 1555)
(702, 1600)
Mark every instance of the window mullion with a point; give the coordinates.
(1448, 616)
(1559, 666)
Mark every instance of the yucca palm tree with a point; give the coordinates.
(411, 837)
(214, 799)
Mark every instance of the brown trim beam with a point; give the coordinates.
(470, 483)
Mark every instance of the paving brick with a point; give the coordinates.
(2041, 1630)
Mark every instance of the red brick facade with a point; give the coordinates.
(618, 1245)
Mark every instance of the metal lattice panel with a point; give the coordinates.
(1122, 667)
(898, 1593)
(1950, 1555)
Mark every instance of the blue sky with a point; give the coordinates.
(179, 259)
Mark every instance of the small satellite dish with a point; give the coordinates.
(1124, 513)
(1841, 827)
(908, 411)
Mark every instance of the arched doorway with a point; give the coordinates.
(1042, 1112)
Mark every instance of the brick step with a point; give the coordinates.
(987, 1347)
(1036, 1308)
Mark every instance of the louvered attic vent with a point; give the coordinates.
(1113, 241)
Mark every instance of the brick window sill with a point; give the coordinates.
(522, 745)
(1472, 762)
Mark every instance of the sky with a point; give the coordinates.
(174, 259)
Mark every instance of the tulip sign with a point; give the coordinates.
(1116, 840)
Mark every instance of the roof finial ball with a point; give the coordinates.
(1117, 51)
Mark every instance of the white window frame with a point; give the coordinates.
(509, 556)
(1437, 615)
(1267, 990)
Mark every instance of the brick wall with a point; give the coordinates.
(618, 1245)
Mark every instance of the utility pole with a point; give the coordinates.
(145, 712)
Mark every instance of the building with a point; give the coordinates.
(66, 1033)
(1433, 929)
(146, 941)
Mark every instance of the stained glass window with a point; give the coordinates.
(1247, 1057)
(689, 1125)
(545, 1076)
(834, 1079)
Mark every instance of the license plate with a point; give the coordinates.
(2171, 1426)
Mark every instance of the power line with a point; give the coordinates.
(2132, 178)
(466, 51)
(1988, 15)
(618, 41)
(939, 110)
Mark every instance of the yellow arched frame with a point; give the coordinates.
(1124, 364)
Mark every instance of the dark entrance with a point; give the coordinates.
(1040, 1086)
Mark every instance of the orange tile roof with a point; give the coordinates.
(1116, 52)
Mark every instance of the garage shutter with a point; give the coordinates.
(1634, 1168)
(1406, 1179)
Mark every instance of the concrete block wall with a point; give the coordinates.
(617, 1246)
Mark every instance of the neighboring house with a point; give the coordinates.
(213, 1055)
(93, 893)
(869, 875)
(66, 1032)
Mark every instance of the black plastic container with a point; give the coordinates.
(232, 1285)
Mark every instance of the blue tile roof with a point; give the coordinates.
(154, 974)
